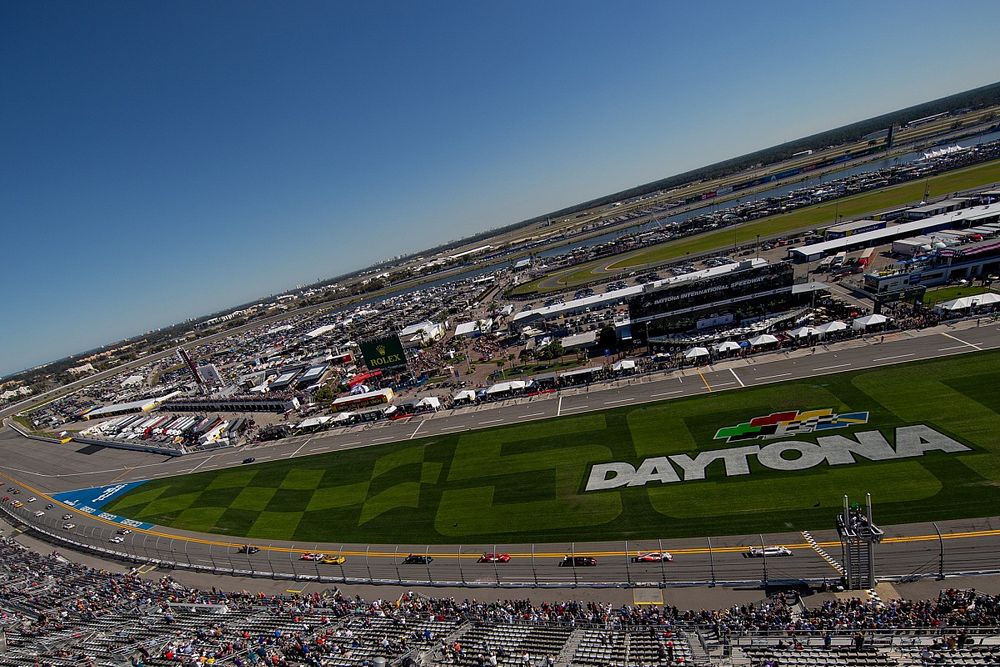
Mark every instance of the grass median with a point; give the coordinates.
(803, 219)
(527, 482)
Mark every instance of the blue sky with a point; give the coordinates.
(164, 160)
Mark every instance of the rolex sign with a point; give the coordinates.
(385, 352)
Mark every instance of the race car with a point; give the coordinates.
(249, 459)
(578, 561)
(249, 549)
(67, 517)
(311, 556)
(116, 539)
(32, 499)
(39, 513)
(494, 558)
(652, 557)
(413, 559)
(761, 552)
(124, 531)
(69, 526)
(335, 559)
(17, 504)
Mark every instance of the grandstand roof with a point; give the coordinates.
(896, 231)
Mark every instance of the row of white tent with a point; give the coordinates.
(761, 340)
(966, 302)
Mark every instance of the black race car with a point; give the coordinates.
(248, 549)
(578, 561)
(413, 559)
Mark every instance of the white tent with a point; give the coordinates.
(314, 421)
(962, 303)
(623, 365)
(803, 332)
(763, 339)
(465, 395)
(728, 346)
(696, 352)
(869, 320)
(342, 417)
(830, 327)
(503, 387)
(431, 402)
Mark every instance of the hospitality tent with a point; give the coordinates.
(431, 402)
(464, 395)
(623, 365)
(696, 352)
(831, 327)
(728, 346)
(763, 339)
(869, 320)
(803, 332)
(965, 302)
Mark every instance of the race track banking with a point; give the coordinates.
(43, 468)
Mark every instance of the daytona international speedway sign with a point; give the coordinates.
(788, 455)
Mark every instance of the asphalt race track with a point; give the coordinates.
(41, 468)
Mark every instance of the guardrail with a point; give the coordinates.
(455, 567)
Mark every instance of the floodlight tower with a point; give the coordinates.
(858, 537)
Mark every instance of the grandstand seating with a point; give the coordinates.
(603, 647)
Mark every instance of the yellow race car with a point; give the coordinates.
(336, 559)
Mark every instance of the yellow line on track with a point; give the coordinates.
(902, 539)
(703, 379)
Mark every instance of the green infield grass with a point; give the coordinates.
(799, 220)
(526, 482)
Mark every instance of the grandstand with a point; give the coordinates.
(58, 613)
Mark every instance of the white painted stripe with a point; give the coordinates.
(721, 384)
(830, 368)
(771, 377)
(737, 377)
(956, 338)
(951, 347)
(417, 429)
(667, 393)
(897, 356)
(533, 414)
(619, 400)
(491, 421)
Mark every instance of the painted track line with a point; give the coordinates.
(771, 377)
(667, 393)
(733, 371)
(830, 368)
(705, 380)
(619, 400)
(417, 429)
(963, 342)
(897, 356)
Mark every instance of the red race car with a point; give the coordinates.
(652, 557)
(311, 556)
(494, 558)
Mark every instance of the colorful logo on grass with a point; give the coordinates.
(794, 422)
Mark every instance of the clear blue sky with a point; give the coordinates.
(161, 160)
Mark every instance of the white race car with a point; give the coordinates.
(761, 552)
